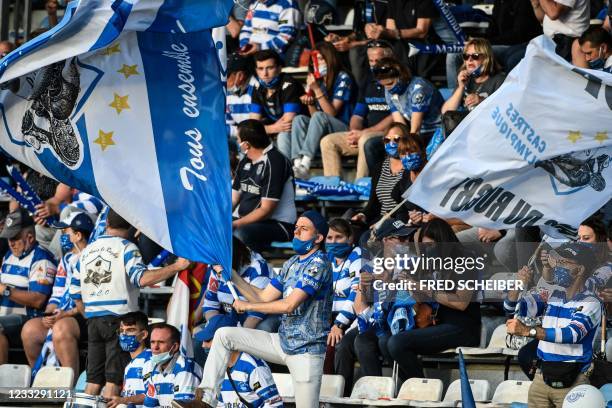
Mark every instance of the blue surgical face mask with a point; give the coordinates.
(598, 63)
(302, 247)
(338, 249)
(561, 276)
(65, 243)
(128, 342)
(270, 84)
(160, 358)
(391, 149)
(398, 88)
(477, 72)
(412, 161)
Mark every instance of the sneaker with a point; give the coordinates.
(302, 172)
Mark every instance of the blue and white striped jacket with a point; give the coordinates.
(272, 24)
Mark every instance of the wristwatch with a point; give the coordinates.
(532, 332)
(7, 292)
(341, 326)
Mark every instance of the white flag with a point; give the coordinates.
(536, 152)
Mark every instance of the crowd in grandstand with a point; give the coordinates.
(73, 284)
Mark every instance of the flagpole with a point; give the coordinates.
(385, 218)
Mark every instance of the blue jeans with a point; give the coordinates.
(306, 133)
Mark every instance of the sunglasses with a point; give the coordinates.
(386, 70)
(393, 138)
(378, 44)
(474, 56)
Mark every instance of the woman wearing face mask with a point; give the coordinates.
(345, 259)
(413, 100)
(330, 102)
(458, 315)
(61, 313)
(478, 78)
(384, 180)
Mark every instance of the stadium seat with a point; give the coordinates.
(510, 391)
(15, 375)
(496, 345)
(373, 388)
(332, 385)
(480, 388)
(284, 383)
(81, 382)
(54, 377)
(421, 389)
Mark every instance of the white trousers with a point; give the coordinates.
(306, 369)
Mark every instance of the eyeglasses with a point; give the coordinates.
(387, 71)
(474, 56)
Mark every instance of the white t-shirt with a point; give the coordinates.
(573, 23)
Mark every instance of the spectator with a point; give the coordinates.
(384, 180)
(240, 85)
(51, 19)
(262, 192)
(563, 21)
(301, 292)
(329, 102)
(365, 12)
(5, 48)
(256, 272)
(407, 21)
(371, 118)
(413, 100)
(269, 25)
(133, 338)
(276, 98)
(27, 276)
(168, 375)
(366, 343)
(105, 284)
(596, 45)
(248, 380)
(565, 344)
(478, 78)
(345, 259)
(235, 24)
(593, 231)
(457, 318)
(61, 313)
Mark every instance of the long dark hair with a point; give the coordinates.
(446, 242)
(334, 64)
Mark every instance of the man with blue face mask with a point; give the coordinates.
(26, 279)
(168, 375)
(133, 336)
(570, 318)
(596, 45)
(301, 293)
(276, 98)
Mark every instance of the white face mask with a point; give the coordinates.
(323, 69)
(233, 89)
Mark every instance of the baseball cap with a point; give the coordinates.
(216, 322)
(15, 222)
(580, 252)
(76, 220)
(394, 228)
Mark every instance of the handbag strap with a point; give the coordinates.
(229, 375)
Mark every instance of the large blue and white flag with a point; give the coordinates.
(536, 152)
(123, 100)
